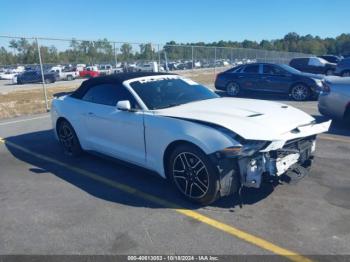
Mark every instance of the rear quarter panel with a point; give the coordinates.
(223, 79)
(70, 109)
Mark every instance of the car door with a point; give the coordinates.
(28, 77)
(249, 77)
(275, 79)
(35, 77)
(109, 130)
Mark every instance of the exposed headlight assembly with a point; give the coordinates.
(248, 149)
(319, 82)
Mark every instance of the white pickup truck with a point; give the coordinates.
(105, 69)
(65, 74)
(149, 67)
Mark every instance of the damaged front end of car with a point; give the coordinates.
(254, 161)
(294, 156)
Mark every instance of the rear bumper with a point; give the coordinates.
(220, 84)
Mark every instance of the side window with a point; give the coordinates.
(109, 94)
(313, 61)
(272, 70)
(251, 69)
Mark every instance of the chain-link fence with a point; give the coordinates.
(39, 67)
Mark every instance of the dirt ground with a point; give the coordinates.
(27, 102)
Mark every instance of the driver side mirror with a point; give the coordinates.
(124, 105)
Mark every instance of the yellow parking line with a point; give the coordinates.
(257, 241)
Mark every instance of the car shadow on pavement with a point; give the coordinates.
(44, 144)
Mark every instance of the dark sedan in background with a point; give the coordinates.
(272, 78)
(314, 65)
(35, 77)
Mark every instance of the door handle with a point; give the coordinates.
(91, 114)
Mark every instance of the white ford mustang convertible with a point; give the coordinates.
(208, 146)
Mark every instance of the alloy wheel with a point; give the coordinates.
(300, 92)
(190, 175)
(232, 89)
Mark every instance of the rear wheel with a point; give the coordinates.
(300, 92)
(232, 89)
(193, 174)
(47, 81)
(68, 139)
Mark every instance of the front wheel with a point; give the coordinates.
(232, 89)
(193, 174)
(300, 92)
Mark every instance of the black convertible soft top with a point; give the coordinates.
(117, 79)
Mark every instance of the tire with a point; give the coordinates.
(345, 73)
(300, 92)
(68, 139)
(232, 89)
(47, 81)
(329, 72)
(193, 174)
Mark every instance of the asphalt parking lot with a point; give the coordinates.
(51, 204)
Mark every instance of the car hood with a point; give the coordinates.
(314, 76)
(249, 118)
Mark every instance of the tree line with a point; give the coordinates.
(23, 51)
(291, 42)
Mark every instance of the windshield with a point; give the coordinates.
(168, 92)
(290, 69)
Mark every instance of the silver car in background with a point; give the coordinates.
(334, 101)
